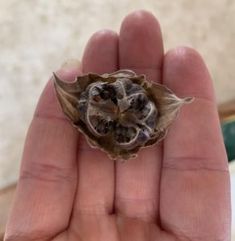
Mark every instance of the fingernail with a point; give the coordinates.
(70, 63)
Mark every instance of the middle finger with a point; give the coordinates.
(137, 180)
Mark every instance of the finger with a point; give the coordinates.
(195, 163)
(95, 189)
(140, 49)
(47, 182)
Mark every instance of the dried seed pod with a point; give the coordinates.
(119, 112)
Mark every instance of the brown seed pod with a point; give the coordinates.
(119, 112)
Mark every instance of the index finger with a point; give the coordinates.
(48, 174)
(195, 199)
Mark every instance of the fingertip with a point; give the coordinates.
(139, 18)
(103, 34)
(68, 74)
(185, 72)
(101, 52)
(184, 55)
(141, 45)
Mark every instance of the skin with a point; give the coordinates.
(178, 190)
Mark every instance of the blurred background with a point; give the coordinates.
(36, 37)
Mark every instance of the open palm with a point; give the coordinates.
(178, 190)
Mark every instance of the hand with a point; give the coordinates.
(178, 190)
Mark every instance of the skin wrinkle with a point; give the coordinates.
(35, 236)
(72, 209)
(47, 173)
(149, 204)
(201, 164)
(91, 210)
(184, 237)
(181, 235)
(194, 169)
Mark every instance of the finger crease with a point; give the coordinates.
(47, 173)
(193, 164)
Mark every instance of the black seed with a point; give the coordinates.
(119, 95)
(111, 90)
(104, 94)
(114, 100)
(106, 127)
(134, 89)
(121, 138)
(138, 102)
(118, 130)
(108, 92)
(124, 134)
(102, 127)
(111, 125)
(131, 87)
(124, 130)
(151, 121)
(119, 135)
(82, 107)
(142, 136)
(141, 102)
(132, 103)
(128, 86)
(96, 98)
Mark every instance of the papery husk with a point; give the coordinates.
(167, 103)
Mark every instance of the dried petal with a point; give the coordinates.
(119, 112)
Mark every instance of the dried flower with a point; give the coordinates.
(119, 112)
